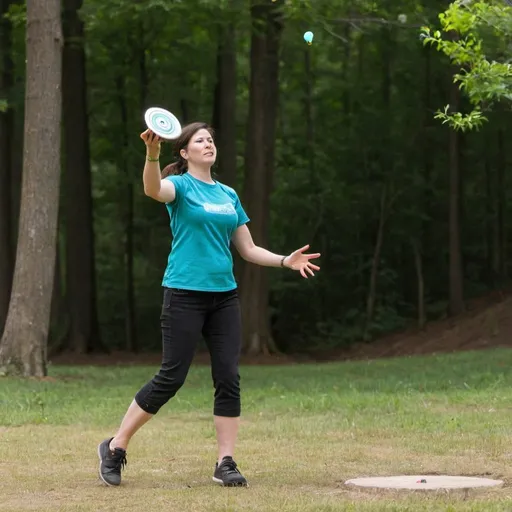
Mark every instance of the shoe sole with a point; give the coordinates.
(220, 482)
(99, 470)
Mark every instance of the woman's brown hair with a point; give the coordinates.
(187, 132)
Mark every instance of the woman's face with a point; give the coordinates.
(201, 149)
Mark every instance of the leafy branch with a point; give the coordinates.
(484, 80)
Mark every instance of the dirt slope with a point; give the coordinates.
(486, 323)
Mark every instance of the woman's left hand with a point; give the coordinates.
(298, 260)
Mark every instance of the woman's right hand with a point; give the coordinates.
(152, 142)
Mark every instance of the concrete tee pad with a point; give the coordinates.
(424, 482)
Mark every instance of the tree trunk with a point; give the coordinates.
(224, 113)
(6, 129)
(347, 56)
(501, 207)
(386, 172)
(308, 116)
(23, 346)
(456, 284)
(80, 267)
(316, 187)
(274, 32)
(372, 288)
(418, 263)
(259, 158)
(426, 200)
(490, 223)
(130, 329)
(143, 67)
(59, 315)
(185, 116)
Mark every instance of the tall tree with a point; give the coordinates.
(224, 108)
(456, 277)
(23, 344)
(500, 227)
(6, 130)
(386, 172)
(128, 219)
(259, 164)
(80, 268)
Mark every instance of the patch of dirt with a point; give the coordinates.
(486, 323)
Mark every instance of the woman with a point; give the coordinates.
(200, 294)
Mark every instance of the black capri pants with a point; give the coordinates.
(186, 317)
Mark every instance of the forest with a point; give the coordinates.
(383, 144)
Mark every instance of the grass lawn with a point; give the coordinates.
(305, 430)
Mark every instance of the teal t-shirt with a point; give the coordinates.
(203, 219)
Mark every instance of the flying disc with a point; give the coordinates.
(162, 123)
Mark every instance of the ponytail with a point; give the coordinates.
(176, 168)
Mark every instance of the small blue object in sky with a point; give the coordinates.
(308, 37)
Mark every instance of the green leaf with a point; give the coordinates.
(482, 77)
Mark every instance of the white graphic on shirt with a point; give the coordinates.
(224, 209)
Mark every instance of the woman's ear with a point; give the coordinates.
(183, 154)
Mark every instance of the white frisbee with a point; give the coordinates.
(162, 123)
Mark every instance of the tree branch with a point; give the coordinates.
(382, 21)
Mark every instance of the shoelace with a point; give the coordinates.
(230, 466)
(119, 460)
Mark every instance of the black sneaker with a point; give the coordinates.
(111, 462)
(227, 474)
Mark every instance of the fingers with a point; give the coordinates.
(153, 139)
(305, 248)
(150, 138)
(300, 261)
(301, 250)
(307, 267)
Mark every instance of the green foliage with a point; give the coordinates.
(328, 182)
(355, 121)
(485, 71)
(3, 105)
(463, 122)
(17, 14)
